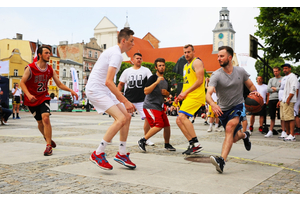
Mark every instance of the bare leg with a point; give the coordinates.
(47, 127)
(167, 134)
(186, 126)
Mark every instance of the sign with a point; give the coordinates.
(4, 67)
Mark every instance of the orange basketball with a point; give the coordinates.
(254, 103)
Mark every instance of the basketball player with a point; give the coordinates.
(155, 90)
(134, 78)
(228, 81)
(34, 83)
(193, 97)
(17, 94)
(105, 96)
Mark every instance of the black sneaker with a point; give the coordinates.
(142, 144)
(192, 149)
(205, 123)
(169, 147)
(247, 142)
(193, 121)
(218, 162)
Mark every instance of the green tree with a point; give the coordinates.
(276, 62)
(279, 27)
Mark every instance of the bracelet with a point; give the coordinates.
(254, 91)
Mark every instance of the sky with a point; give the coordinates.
(172, 22)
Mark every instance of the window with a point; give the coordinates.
(71, 85)
(54, 65)
(104, 46)
(90, 53)
(64, 73)
(86, 67)
(96, 54)
(77, 74)
(15, 72)
(64, 82)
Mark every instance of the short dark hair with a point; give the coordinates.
(159, 60)
(278, 68)
(125, 33)
(40, 50)
(189, 45)
(137, 54)
(227, 48)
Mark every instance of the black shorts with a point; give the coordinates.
(37, 111)
(201, 110)
(17, 100)
(262, 112)
(273, 109)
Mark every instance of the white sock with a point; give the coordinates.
(101, 147)
(210, 125)
(122, 148)
(216, 125)
(245, 136)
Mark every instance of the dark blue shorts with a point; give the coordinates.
(231, 113)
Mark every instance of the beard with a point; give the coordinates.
(161, 72)
(225, 64)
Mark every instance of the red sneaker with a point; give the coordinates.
(53, 144)
(260, 129)
(124, 160)
(251, 128)
(48, 151)
(100, 161)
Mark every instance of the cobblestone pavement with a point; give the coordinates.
(36, 177)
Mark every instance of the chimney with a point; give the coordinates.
(19, 36)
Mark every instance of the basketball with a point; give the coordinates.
(203, 115)
(254, 103)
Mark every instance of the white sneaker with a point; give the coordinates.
(269, 134)
(209, 129)
(149, 143)
(290, 138)
(283, 135)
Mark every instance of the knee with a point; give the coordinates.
(46, 120)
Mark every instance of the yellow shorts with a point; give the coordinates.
(190, 106)
(211, 113)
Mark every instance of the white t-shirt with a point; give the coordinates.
(263, 90)
(18, 92)
(111, 57)
(290, 88)
(214, 97)
(135, 80)
(282, 84)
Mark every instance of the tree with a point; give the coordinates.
(279, 27)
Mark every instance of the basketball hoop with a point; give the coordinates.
(243, 58)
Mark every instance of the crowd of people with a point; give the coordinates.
(141, 91)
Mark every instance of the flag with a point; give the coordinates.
(75, 80)
(4, 67)
(35, 54)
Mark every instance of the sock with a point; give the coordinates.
(13, 115)
(210, 125)
(17, 114)
(216, 125)
(193, 141)
(101, 147)
(122, 148)
(245, 136)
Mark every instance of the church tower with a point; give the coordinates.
(223, 34)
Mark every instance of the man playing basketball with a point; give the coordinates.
(228, 81)
(193, 96)
(105, 97)
(134, 78)
(34, 83)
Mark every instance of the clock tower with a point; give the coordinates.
(223, 34)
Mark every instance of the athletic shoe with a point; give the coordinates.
(218, 130)
(193, 121)
(14, 118)
(209, 129)
(205, 123)
(100, 161)
(251, 128)
(192, 149)
(142, 144)
(124, 160)
(290, 138)
(169, 147)
(53, 144)
(283, 135)
(48, 150)
(260, 129)
(247, 142)
(149, 143)
(18, 118)
(218, 162)
(269, 134)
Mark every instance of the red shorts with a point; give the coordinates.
(156, 118)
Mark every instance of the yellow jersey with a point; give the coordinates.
(189, 78)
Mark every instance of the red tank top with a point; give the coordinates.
(37, 84)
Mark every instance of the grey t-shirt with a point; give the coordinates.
(229, 87)
(274, 82)
(155, 99)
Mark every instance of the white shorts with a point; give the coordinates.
(139, 108)
(102, 101)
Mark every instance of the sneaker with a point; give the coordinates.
(100, 161)
(218, 162)
(14, 118)
(53, 144)
(205, 123)
(124, 160)
(283, 135)
(193, 121)
(260, 129)
(192, 149)
(247, 142)
(48, 150)
(251, 128)
(142, 144)
(269, 134)
(217, 129)
(209, 129)
(169, 147)
(290, 138)
(18, 118)
(149, 143)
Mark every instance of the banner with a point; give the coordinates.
(4, 67)
(75, 80)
